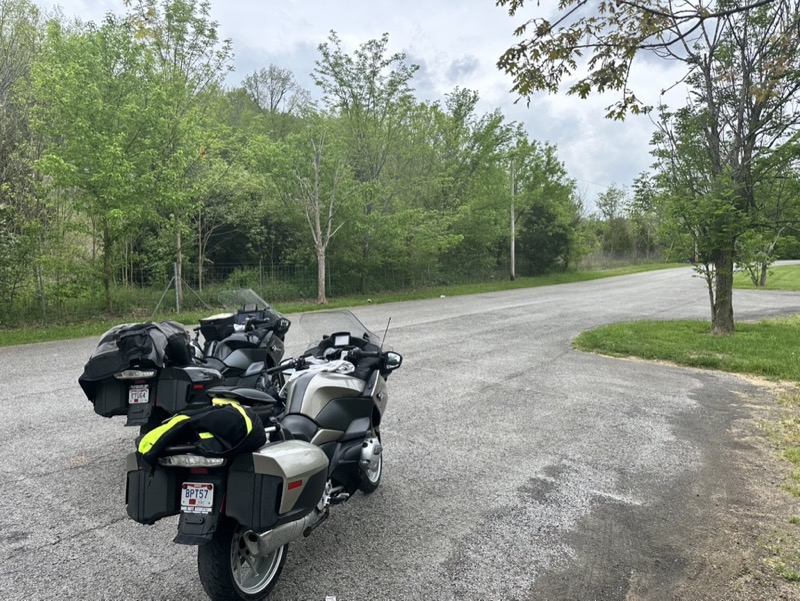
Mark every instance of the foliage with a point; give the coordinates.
(126, 159)
(546, 207)
(781, 277)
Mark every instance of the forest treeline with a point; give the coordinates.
(126, 153)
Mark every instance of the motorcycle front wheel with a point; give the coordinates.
(230, 572)
(371, 478)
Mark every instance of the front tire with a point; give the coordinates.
(230, 572)
(371, 478)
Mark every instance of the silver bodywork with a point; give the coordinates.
(310, 393)
(291, 460)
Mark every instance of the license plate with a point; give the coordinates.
(138, 394)
(197, 497)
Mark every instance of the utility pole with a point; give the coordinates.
(513, 268)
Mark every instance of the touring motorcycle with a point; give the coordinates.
(247, 479)
(149, 371)
(243, 342)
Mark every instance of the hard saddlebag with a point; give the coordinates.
(151, 492)
(279, 483)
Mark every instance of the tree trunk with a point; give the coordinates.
(708, 276)
(321, 298)
(762, 281)
(107, 265)
(722, 316)
(179, 270)
(201, 251)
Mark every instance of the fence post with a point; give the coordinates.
(42, 296)
(177, 291)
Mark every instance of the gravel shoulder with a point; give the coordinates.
(733, 526)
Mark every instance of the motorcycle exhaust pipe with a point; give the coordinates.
(272, 540)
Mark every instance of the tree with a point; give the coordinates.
(189, 64)
(644, 217)
(323, 185)
(546, 206)
(94, 113)
(21, 212)
(274, 90)
(614, 205)
(741, 64)
(370, 92)
(612, 34)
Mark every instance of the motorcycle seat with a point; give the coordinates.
(299, 427)
(214, 363)
(245, 396)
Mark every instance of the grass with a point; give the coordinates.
(9, 337)
(768, 348)
(784, 277)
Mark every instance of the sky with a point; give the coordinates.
(456, 43)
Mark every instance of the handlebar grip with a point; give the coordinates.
(298, 363)
(358, 353)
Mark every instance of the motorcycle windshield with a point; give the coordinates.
(242, 299)
(316, 325)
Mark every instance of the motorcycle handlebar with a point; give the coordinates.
(299, 363)
(288, 364)
(358, 353)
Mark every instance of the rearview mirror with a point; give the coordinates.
(393, 360)
(283, 325)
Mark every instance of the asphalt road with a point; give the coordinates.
(515, 467)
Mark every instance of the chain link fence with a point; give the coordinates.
(54, 297)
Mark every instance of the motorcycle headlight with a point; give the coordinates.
(135, 374)
(190, 461)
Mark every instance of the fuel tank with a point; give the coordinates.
(308, 394)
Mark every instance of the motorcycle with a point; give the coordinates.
(242, 506)
(150, 371)
(243, 342)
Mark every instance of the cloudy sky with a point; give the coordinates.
(455, 43)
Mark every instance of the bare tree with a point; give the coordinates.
(322, 194)
(275, 91)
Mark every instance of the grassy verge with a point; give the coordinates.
(784, 277)
(784, 544)
(768, 348)
(96, 327)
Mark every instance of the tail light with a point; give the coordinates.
(135, 374)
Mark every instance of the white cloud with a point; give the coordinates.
(456, 43)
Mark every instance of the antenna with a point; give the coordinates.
(386, 331)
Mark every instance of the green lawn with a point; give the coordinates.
(784, 277)
(769, 348)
